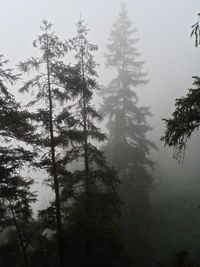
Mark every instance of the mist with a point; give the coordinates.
(78, 189)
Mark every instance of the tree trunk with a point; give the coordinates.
(26, 264)
(88, 258)
(54, 170)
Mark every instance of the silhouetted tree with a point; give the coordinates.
(93, 234)
(53, 121)
(185, 119)
(15, 195)
(180, 126)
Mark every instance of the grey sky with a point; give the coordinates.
(163, 28)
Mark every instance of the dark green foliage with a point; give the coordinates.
(128, 147)
(86, 201)
(93, 236)
(185, 119)
(179, 128)
(52, 88)
(13, 120)
(15, 195)
(51, 81)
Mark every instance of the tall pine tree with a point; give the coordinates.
(93, 236)
(128, 147)
(51, 84)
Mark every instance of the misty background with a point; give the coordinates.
(171, 60)
(163, 29)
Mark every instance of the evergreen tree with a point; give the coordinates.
(93, 234)
(15, 195)
(128, 147)
(185, 119)
(51, 118)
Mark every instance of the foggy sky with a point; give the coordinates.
(163, 28)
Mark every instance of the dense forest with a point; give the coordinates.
(111, 201)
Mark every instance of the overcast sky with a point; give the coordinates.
(163, 28)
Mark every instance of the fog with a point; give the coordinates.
(171, 59)
(163, 28)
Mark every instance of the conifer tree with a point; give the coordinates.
(128, 147)
(51, 117)
(185, 119)
(93, 232)
(15, 195)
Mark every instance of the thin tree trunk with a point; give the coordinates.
(86, 161)
(23, 248)
(85, 134)
(54, 170)
(88, 258)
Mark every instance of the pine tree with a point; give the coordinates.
(185, 119)
(51, 117)
(93, 234)
(15, 194)
(128, 147)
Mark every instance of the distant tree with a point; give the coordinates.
(128, 147)
(15, 194)
(51, 118)
(93, 234)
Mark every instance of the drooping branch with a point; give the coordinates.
(184, 120)
(196, 31)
